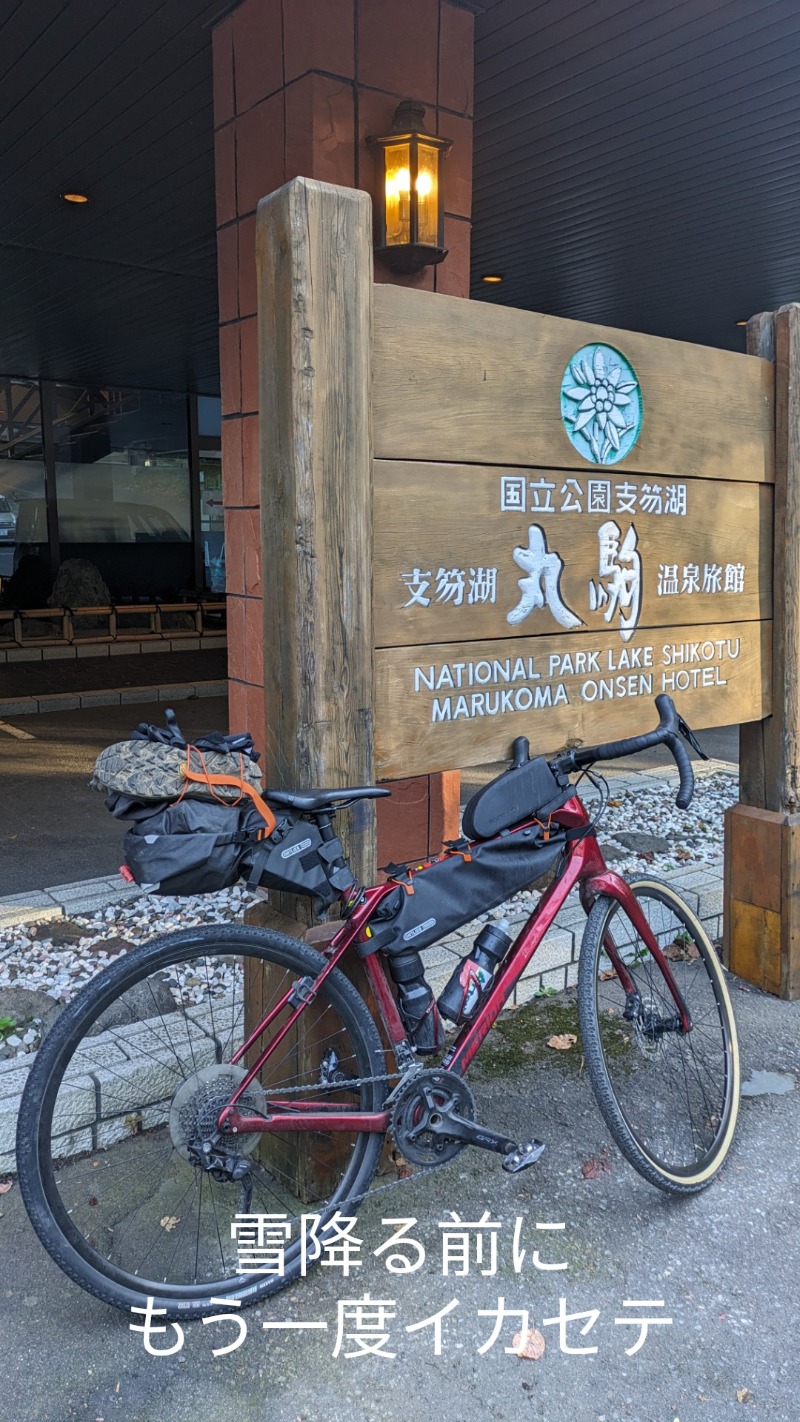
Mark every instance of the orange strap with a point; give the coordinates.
(243, 786)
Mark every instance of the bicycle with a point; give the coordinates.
(261, 1082)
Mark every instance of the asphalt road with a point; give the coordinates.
(55, 830)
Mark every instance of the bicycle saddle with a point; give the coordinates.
(312, 800)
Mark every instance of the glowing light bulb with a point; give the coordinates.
(424, 184)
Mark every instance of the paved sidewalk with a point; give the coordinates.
(722, 1266)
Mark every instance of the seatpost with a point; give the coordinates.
(324, 819)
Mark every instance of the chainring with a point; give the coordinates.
(429, 1093)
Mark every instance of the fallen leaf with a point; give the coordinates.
(5, 1186)
(595, 1166)
(606, 977)
(529, 1345)
(743, 1394)
(614, 803)
(563, 1042)
(683, 854)
(169, 1222)
(681, 952)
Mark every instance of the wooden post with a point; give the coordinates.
(314, 270)
(762, 833)
(314, 260)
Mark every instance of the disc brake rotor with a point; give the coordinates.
(198, 1101)
(650, 1043)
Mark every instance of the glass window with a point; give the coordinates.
(212, 531)
(123, 488)
(209, 415)
(23, 511)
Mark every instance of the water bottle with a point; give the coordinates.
(416, 1001)
(473, 976)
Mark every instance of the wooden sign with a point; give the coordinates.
(465, 552)
(568, 520)
(467, 381)
(461, 704)
(480, 522)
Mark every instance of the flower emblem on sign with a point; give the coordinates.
(601, 404)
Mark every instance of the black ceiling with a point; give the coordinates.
(635, 160)
(112, 98)
(634, 164)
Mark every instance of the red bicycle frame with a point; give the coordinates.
(583, 865)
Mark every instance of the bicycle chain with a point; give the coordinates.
(402, 1079)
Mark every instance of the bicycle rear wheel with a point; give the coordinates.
(138, 1068)
(669, 1098)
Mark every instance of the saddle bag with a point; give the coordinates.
(193, 847)
(435, 899)
(295, 859)
(190, 847)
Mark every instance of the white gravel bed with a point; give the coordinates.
(30, 959)
(684, 840)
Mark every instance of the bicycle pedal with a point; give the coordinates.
(522, 1156)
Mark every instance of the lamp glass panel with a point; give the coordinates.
(428, 194)
(398, 195)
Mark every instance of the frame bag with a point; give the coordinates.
(439, 897)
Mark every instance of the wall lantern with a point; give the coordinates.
(410, 219)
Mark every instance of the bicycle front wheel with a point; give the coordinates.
(669, 1097)
(127, 1087)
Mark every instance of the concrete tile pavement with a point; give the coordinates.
(722, 1266)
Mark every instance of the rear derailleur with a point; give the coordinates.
(433, 1119)
(223, 1165)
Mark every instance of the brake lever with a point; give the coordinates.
(689, 735)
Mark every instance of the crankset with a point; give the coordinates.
(434, 1119)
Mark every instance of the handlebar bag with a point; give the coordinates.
(517, 794)
(439, 897)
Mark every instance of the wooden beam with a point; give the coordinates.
(782, 731)
(752, 763)
(314, 263)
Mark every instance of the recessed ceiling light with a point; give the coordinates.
(741, 323)
(491, 277)
(75, 197)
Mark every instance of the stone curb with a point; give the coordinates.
(62, 900)
(118, 696)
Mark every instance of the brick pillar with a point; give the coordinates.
(299, 85)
